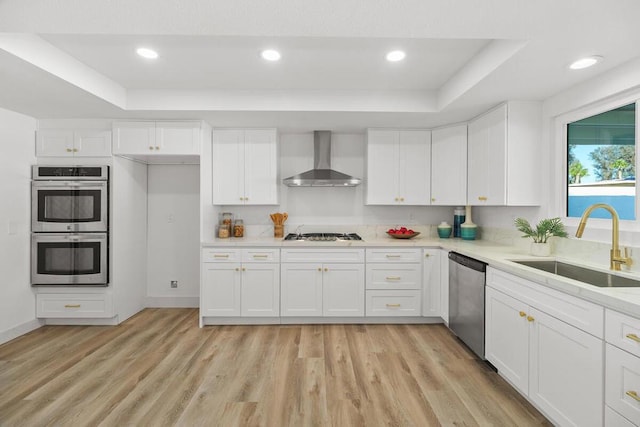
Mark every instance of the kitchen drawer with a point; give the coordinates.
(221, 255)
(577, 312)
(622, 388)
(260, 255)
(393, 303)
(74, 305)
(614, 419)
(394, 255)
(323, 255)
(394, 276)
(622, 331)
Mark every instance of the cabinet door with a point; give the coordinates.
(260, 167)
(566, 371)
(220, 294)
(54, 143)
(228, 167)
(90, 143)
(414, 170)
(260, 290)
(487, 153)
(178, 138)
(301, 289)
(134, 138)
(449, 166)
(444, 285)
(382, 167)
(343, 290)
(431, 283)
(507, 337)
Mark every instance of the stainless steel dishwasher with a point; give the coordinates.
(466, 300)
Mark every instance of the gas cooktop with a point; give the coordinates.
(323, 237)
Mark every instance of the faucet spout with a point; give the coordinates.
(615, 257)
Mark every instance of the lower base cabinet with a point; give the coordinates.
(68, 305)
(329, 289)
(558, 366)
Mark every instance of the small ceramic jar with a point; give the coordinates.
(444, 230)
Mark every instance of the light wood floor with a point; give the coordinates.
(158, 368)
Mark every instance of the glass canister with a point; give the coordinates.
(238, 228)
(458, 219)
(226, 218)
(224, 230)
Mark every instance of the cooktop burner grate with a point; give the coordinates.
(322, 237)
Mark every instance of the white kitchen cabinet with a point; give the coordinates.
(431, 283)
(449, 166)
(622, 389)
(231, 288)
(150, 138)
(245, 167)
(73, 143)
(394, 282)
(74, 305)
(501, 146)
(324, 282)
(398, 167)
(444, 285)
(554, 362)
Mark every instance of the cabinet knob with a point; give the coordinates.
(482, 198)
(397, 199)
(157, 148)
(319, 269)
(433, 199)
(522, 314)
(75, 150)
(69, 150)
(427, 255)
(244, 269)
(530, 318)
(237, 268)
(150, 147)
(326, 269)
(402, 199)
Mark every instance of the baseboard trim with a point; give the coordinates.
(172, 302)
(19, 330)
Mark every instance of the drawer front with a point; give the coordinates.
(394, 255)
(623, 331)
(221, 255)
(393, 303)
(622, 385)
(323, 255)
(577, 312)
(260, 255)
(394, 276)
(74, 305)
(614, 419)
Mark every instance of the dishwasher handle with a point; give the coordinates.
(471, 263)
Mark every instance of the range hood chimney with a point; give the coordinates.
(321, 175)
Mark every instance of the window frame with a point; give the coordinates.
(561, 150)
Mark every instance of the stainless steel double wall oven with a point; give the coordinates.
(70, 225)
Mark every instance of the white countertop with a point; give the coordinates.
(625, 300)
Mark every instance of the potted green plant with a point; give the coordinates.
(540, 233)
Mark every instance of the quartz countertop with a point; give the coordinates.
(625, 300)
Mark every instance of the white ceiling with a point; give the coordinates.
(76, 59)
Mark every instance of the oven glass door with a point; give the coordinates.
(69, 259)
(69, 206)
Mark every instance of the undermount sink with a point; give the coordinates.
(582, 274)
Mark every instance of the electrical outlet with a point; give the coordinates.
(171, 218)
(174, 283)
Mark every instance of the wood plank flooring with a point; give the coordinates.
(158, 368)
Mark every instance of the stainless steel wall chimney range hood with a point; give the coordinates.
(321, 175)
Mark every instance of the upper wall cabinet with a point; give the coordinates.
(142, 139)
(502, 151)
(398, 163)
(449, 166)
(69, 143)
(245, 167)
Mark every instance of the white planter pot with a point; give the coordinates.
(540, 249)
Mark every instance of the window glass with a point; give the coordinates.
(601, 163)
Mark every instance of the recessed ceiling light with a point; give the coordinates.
(395, 56)
(270, 55)
(147, 53)
(585, 62)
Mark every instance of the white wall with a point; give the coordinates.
(173, 235)
(17, 154)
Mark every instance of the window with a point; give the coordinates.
(601, 163)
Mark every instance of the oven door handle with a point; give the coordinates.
(63, 184)
(77, 237)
